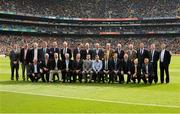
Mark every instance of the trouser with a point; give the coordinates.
(148, 79)
(164, 67)
(98, 77)
(25, 68)
(66, 76)
(106, 75)
(35, 78)
(113, 75)
(75, 74)
(86, 75)
(128, 77)
(121, 78)
(45, 76)
(52, 72)
(155, 76)
(16, 68)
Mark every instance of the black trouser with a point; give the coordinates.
(66, 75)
(14, 67)
(45, 76)
(105, 75)
(148, 79)
(164, 67)
(35, 78)
(98, 76)
(128, 77)
(121, 78)
(85, 76)
(25, 68)
(112, 76)
(79, 74)
(155, 76)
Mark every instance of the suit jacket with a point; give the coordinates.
(84, 53)
(155, 57)
(53, 64)
(38, 56)
(87, 65)
(52, 51)
(63, 55)
(132, 69)
(44, 52)
(44, 65)
(27, 59)
(150, 71)
(141, 57)
(78, 65)
(109, 65)
(14, 56)
(132, 55)
(167, 57)
(70, 65)
(125, 65)
(111, 53)
(120, 54)
(100, 53)
(114, 66)
(75, 52)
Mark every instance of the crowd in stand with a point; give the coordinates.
(94, 8)
(6, 42)
(86, 30)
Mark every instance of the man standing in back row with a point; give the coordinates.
(165, 59)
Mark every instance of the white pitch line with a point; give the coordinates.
(92, 99)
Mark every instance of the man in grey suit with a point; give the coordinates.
(132, 53)
(87, 68)
(14, 61)
(98, 51)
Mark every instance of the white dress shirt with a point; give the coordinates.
(162, 55)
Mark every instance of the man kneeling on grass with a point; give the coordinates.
(34, 74)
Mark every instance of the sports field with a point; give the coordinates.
(41, 97)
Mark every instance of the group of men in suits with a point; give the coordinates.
(90, 65)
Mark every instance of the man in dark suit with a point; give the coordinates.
(76, 51)
(147, 71)
(25, 60)
(44, 50)
(106, 68)
(87, 51)
(14, 61)
(45, 68)
(165, 59)
(154, 57)
(120, 52)
(142, 53)
(114, 68)
(53, 50)
(78, 67)
(65, 50)
(56, 66)
(126, 66)
(135, 71)
(98, 51)
(34, 71)
(67, 68)
(35, 53)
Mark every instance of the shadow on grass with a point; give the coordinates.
(130, 85)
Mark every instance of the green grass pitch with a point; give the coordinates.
(23, 97)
